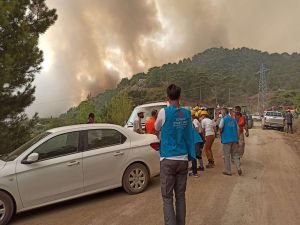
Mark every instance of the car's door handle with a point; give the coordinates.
(73, 163)
(118, 153)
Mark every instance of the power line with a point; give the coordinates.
(262, 88)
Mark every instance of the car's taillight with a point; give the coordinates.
(155, 146)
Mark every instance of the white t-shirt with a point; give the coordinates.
(208, 126)
(137, 125)
(197, 125)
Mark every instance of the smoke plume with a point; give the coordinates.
(96, 43)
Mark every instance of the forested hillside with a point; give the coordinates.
(215, 76)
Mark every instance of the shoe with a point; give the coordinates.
(227, 174)
(209, 166)
(240, 172)
(193, 175)
(201, 168)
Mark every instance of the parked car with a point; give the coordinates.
(273, 119)
(147, 109)
(73, 161)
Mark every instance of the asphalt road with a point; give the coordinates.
(267, 193)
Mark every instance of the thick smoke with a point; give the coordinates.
(96, 43)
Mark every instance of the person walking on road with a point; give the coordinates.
(241, 121)
(199, 144)
(289, 121)
(229, 138)
(176, 148)
(137, 124)
(209, 132)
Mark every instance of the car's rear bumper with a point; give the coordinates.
(274, 125)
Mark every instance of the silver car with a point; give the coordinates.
(73, 161)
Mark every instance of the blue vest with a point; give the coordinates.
(177, 133)
(229, 131)
(197, 137)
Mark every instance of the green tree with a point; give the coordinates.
(118, 109)
(84, 110)
(21, 23)
(19, 130)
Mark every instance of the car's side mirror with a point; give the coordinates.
(33, 157)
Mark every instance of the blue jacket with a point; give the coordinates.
(229, 131)
(177, 133)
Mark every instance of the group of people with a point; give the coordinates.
(182, 135)
(149, 125)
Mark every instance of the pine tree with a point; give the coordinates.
(21, 23)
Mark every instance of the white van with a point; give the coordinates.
(147, 109)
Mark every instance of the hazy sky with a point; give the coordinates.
(95, 43)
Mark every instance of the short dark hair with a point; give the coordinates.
(154, 112)
(238, 108)
(92, 115)
(173, 92)
(226, 110)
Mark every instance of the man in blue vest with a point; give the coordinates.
(176, 147)
(229, 137)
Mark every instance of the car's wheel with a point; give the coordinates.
(136, 178)
(6, 208)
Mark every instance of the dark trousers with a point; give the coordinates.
(289, 128)
(173, 177)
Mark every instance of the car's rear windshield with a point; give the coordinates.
(279, 114)
(147, 112)
(14, 154)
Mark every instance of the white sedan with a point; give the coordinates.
(73, 161)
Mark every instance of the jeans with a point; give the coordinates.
(173, 177)
(198, 151)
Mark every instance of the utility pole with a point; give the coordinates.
(262, 88)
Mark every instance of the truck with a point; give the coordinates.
(273, 119)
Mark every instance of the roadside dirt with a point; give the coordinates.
(267, 193)
(294, 139)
